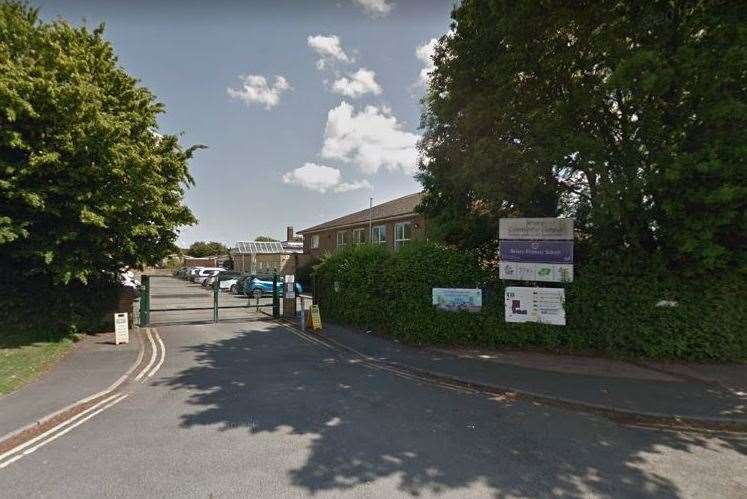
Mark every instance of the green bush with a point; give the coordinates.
(607, 311)
(36, 302)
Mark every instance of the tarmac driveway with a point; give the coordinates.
(253, 410)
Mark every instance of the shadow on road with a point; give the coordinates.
(369, 425)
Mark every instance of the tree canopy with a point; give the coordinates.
(204, 248)
(87, 184)
(628, 116)
(266, 239)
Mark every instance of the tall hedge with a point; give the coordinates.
(607, 312)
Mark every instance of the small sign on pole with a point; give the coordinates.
(121, 329)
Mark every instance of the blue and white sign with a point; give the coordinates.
(453, 299)
(536, 251)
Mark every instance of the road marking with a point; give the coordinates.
(55, 428)
(154, 352)
(162, 352)
(110, 389)
(117, 399)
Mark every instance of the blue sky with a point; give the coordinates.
(312, 126)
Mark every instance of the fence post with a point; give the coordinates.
(145, 301)
(275, 297)
(216, 288)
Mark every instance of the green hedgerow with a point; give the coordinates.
(607, 312)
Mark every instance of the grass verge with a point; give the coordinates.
(23, 357)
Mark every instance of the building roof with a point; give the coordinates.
(397, 207)
(259, 247)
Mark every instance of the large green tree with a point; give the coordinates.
(629, 116)
(87, 184)
(205, 248)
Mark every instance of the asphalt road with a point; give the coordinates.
(252, 410)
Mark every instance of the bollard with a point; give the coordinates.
(303, 315)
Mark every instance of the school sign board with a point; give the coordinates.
(453, 299)
(534, 229)
(537, 272)
(543, 305)
(537, 251)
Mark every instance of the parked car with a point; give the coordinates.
(228, 281)
(238, 288)
(206, 273)
(191, 273)
(222, 276)
(255, 286)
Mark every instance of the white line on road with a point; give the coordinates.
(154, 352)
(63, 432)
(162, 352)
(55, 428)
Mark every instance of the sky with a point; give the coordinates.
(308, 108)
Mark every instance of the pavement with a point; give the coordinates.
(693, 394)
(93, 365)
(254, 409)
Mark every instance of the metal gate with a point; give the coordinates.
(165, 299)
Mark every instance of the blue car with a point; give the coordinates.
(254, 286)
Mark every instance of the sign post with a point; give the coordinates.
(536, 250)
(121, 329)
(289, 296)
(316, 318)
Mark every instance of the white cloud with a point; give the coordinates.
(329, 50)
(256, 89)
(425, 54)
(375, 8)
(322, 178)
(371, 138)
(360, 83)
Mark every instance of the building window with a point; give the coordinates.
(379, 234)
(315, 241)
(402, 234)
(359, 236)
(342, 239)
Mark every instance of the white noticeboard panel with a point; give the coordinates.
(453, 299)
(121, 329)
(544, 305)
(290, 286)
(542, 272)
(536, 229)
